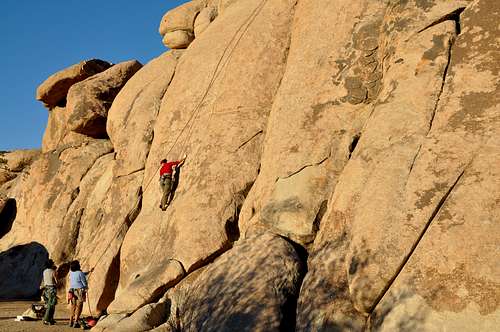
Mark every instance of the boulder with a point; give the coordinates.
(178, 39)
(148, 285)
(203, 20)
(54, 89)
(88, 101)
(146, 318)
(13, 163)
(21, 268)
(246, 289)
(133, 113)
(223, 144)
(182, 17)
(174, 299)
(108, 322)
(55, 130)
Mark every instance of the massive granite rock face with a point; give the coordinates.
(357, 139)
(405, 182)
(223, 143)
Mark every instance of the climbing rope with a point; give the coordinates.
(215, 75)
(243, 28)
(236, 38)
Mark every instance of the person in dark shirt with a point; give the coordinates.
(166, 180)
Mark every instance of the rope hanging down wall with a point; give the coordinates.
(221, 64)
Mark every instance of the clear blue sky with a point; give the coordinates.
(40, 37)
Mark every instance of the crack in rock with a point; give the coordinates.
(248, 140)
(304, 167)
(434, 214)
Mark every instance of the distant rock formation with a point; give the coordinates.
(341, 173)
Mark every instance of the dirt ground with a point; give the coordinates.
(10, 309)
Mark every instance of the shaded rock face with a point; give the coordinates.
(353, 142)
(21, 267)
(8, 211)
(270, 270)
(53, 91)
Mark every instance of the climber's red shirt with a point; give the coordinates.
(167, 167)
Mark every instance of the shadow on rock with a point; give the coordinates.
(21, 269)
(247, 289)
(7, 216)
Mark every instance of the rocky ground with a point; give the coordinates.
(9, 311)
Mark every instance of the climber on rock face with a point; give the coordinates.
(167, 180)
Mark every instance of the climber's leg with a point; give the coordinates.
(166, 185)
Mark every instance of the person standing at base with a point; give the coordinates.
(49, 294)
(78, 290)
(166, 180)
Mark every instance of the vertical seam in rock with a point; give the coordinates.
(454, 16)
(413, 163)
(285, 59)
(76, 234)
(157, 112)
(443, 82)
(434, 214)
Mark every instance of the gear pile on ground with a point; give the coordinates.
(342, 171)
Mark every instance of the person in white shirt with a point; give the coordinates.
(49, 283)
